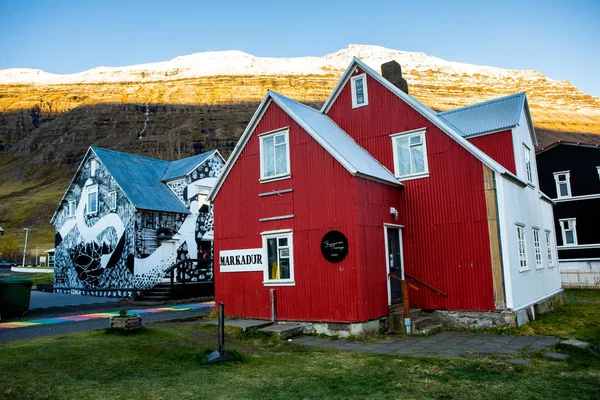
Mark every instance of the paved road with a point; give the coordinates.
(58, 325)
(47, 300)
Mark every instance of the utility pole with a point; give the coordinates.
(25, 248)
(37, 259)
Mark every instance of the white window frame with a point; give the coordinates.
(93, 168)
(395, 137)
(598, 171)
(71, 208)
(549, 248)
(266, 135)
(89, 191)
(353, 80)
(564, 231)
(527, 162)
(537, 248)
(289, 234)
(522, 245)
(112, 205)
(558, 183)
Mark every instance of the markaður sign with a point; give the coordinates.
(241, 260)
(334, 246)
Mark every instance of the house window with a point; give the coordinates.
(563, 184)
(93, 168)
(410, 154)
(598, 171)
(549, 250)
(112, 200)
(569, 234)
(527, 157)
(274, 155)
(279, 250)
(92, 200)
(72, 208)
(522, 248)
(360, 95)
(537, 248)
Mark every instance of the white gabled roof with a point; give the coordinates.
(320, 127)
(423, 110)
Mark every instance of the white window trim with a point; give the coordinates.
(521, 227)
(537, 248)
(564, 236)
(271, 235)
(261, 139)
(527, 163)
(93, 168)
(568, 182)
(74, 204)
(89, 190)
(395, 137)
(111, 206)
(598, 171)
(362, 76)
(550, 256)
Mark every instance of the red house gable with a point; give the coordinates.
(446, 204)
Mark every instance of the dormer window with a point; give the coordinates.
(410, 154)
(563, 184)
(274, 155)
(360, 96)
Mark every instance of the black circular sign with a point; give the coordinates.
(334, 246)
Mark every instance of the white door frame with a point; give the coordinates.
(387, 256)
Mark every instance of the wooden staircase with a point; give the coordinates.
(421, 321)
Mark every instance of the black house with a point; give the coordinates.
(569, 172)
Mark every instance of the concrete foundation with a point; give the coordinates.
(489, 319)
(342, 330)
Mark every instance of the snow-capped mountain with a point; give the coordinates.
(235, 62)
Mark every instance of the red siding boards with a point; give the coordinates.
(324, 198)
(445, 239)
(499, 146)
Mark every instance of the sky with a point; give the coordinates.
(561, 39)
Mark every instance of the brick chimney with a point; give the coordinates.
(392, 71)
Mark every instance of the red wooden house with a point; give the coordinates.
(325, 208)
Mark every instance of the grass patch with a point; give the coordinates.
(38, 278)
(167, 361)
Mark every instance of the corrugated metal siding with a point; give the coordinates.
(446, 240)
(323, 198)
(499, 146)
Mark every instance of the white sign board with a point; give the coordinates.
(241, 260)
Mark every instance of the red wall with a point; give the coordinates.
(445, 240)
(324, 198)
(499, 146)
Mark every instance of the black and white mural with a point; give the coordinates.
(106, 247)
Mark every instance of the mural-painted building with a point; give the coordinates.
(320, 213)
(125, 219)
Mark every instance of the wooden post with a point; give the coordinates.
(406, 306)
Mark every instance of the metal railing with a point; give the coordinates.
(179, 271)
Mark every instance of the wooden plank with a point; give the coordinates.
(494, 234)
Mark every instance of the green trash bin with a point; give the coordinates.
(15, 294)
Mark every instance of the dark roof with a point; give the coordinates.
(489, 116)
(547, 138)
(180, 168)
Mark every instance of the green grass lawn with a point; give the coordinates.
(166, 361)
(578, 319)
(38, 278)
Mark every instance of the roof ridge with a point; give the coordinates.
(481, 104)
(295, 101)
(94, 148)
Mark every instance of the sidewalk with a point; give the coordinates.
(34, 328)
(445, 344)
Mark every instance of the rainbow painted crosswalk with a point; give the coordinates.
(86, 317)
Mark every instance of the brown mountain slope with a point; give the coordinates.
(46, 129)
